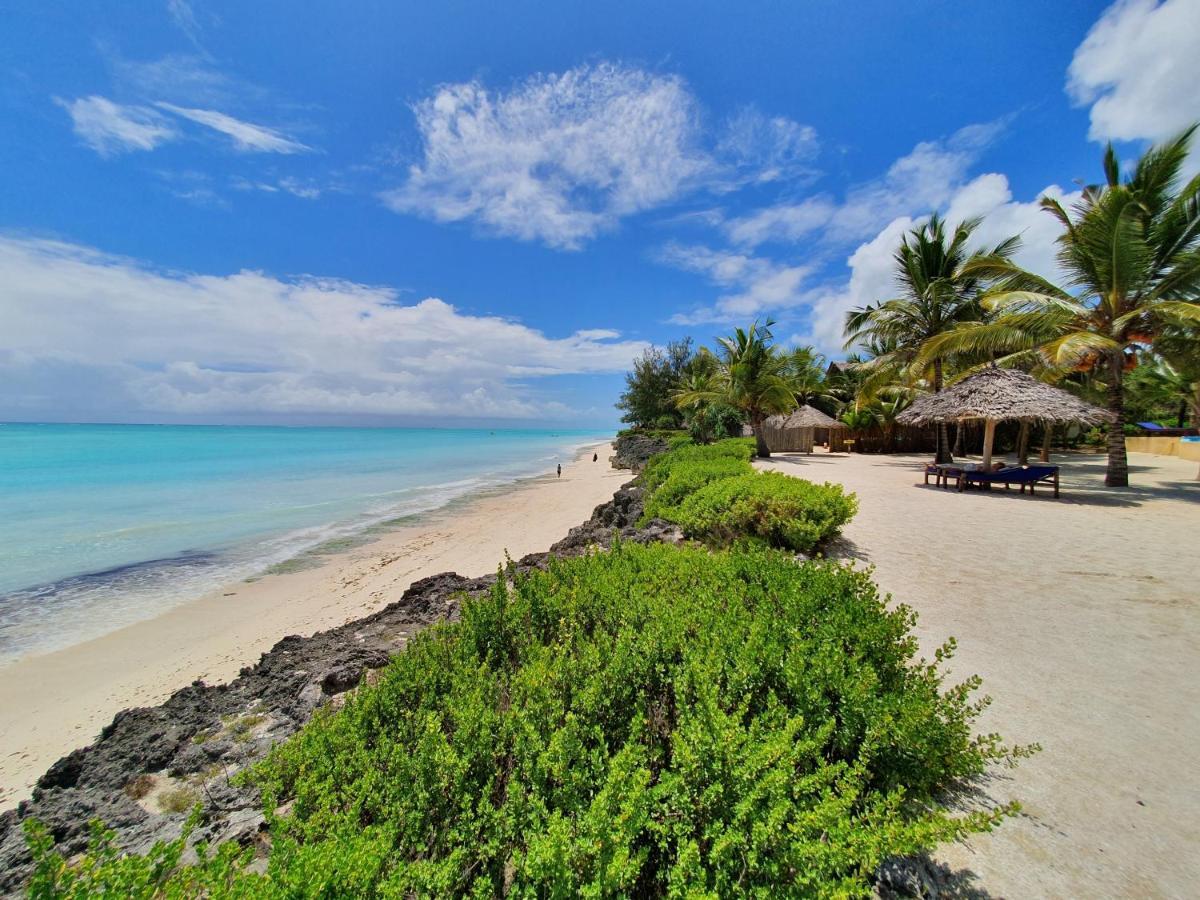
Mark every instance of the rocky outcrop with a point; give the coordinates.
(149, 767)
(632, 451)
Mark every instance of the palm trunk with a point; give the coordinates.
(1023, 444)
(1117, 474)
(943, 433)
(958, 439)
(1047, 438)
(756, 424)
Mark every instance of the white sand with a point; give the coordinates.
(53, 703)
(1082, 615)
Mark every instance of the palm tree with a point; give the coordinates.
(1179, 349)
(751, 376)
(1130, 251)
(937, 295)
(693, 396)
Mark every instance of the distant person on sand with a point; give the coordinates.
(560, 470)
(595, 456)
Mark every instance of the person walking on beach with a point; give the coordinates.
(560, 470)
(595, 456)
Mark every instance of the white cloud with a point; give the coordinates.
(768, 148)
(754, 285)
(559, 158)
(95, 334)
(184, 17)
(246, 136)
(1138, 69)
(921, 180)
(782, 222)
(872, 267)
(111, 128)
(305, 190)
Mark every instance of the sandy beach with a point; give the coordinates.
(53, 703)
(1082, 615)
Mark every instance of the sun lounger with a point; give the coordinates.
(1010, 475)
(943, 472)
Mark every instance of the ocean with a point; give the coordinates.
(105, 525)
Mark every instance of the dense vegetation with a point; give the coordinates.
(715, 496)
(651, 720)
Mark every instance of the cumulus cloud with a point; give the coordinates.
(111, 128)
(246, 136)
(558, 158)
(872, 267)
(1138, 69)
(88, 332)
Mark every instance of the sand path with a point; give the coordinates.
(1083, 617)
(53, 703)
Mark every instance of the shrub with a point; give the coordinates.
(648, 721)
(660, 467)
(685, 478)
(771, 507)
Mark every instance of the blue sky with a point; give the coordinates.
(389, 213)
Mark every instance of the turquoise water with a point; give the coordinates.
(103, 525)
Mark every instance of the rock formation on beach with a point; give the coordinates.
(633, 451)
(149, 767)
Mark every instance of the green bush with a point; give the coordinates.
(771, 507)
(685, 478)
(647, 721)
(650, 721)
(660, 467)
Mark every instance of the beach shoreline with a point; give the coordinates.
(53, 702)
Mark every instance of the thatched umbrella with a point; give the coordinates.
(1000, 395)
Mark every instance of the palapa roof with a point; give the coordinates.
(804, 417)
(1001, 395)
(810, 417)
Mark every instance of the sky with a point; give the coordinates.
(479, 214)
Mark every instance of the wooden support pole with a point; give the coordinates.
(989, 438)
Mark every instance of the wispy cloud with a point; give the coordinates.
(762, 148)
(113, 336)
(294, 186)
(1138, 69)
(923, 179)
(111, 128)
(751, 285)
(184, 17)
(246, 136)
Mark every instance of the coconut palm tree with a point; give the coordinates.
(936, 296)
(1130, 251)
(751, 376)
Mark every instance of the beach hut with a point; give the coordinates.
(1000, 395)
(825, 428)
(796, 432)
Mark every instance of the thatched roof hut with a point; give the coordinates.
(796, 431)
(810, 417)
(1000, 395)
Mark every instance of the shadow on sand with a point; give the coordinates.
(1082, 480)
